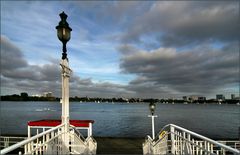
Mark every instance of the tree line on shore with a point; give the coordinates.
(25, 97)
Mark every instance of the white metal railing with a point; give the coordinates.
(173, 139)
(92, 145)
(80, 145)
(74, 130)
(51, 142)
(6, 141)
(232, 143)
(36, 144)
(155, 147)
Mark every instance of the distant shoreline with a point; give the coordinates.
(203, 100)
(101, 102)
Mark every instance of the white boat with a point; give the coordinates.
(39, 110)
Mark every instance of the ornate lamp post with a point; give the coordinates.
(64, 35)
(152, 108)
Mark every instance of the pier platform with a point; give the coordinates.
(113, 145)
(106, 145)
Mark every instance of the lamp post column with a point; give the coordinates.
(153, 125)
(152, 107)
(66, 71)
(64, 35)
(153, 129)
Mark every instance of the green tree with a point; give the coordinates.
(24, 96)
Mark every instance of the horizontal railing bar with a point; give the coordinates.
(206, 139)
(15, 146)
(12, 141)
(12, 137)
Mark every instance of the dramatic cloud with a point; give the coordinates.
(14, 65)
(122, 48)
(201, 70)
(185, 22)
(115, 13)
(127, 49)
(19, 76)
(15, 55)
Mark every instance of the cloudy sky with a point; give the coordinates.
(141, 49)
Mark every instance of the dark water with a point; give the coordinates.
(127, 120)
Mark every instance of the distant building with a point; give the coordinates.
(193, 98)
(232, 96)
(201, 98)
(237, 98)
(185, 98)
(36, 95)
(47, 94)
(220, 97)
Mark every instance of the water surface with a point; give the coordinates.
(127, 119)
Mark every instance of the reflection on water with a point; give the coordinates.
(127, 120)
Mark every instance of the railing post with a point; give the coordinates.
(201, 152)
(28, 148)
(181, 143)
(29, 131)
(193, 146)
(90, 129)
(205, 147)
(37, 134)
(189, 145)
(25, 149)
(172, 130)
